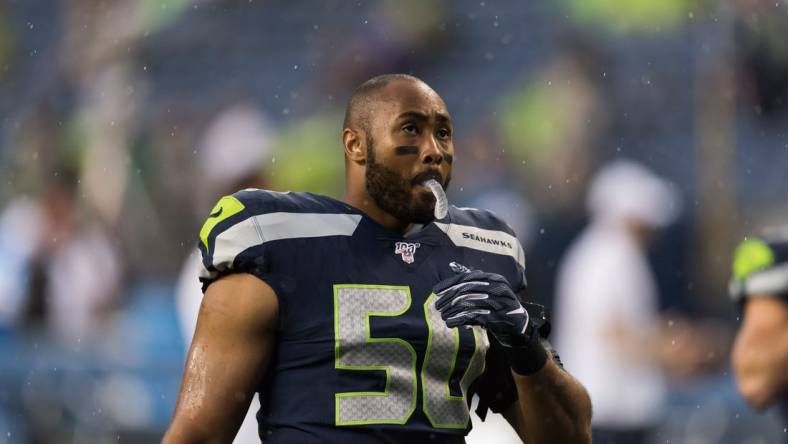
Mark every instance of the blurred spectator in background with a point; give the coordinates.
(607, 324)
(230, 159)
(61, 272)
(760, 353)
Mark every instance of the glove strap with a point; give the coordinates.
(527, 359)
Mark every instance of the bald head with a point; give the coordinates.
(360, 103)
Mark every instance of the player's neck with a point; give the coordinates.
(364, 203)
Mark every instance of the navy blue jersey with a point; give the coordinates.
(362, 355)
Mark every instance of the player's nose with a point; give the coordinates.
(432, 152)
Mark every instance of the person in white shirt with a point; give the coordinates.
(606, 310)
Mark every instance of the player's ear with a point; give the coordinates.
(355, 148)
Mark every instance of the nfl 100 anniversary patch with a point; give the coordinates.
(407, 250)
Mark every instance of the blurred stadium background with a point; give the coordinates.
(116, 120)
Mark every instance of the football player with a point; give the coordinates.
(369, 320)
(760, 352)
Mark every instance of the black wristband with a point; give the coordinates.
(527, 359)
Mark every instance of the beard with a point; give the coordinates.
(394, 194)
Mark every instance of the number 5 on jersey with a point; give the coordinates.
(356, 349)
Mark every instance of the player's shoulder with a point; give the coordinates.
(242, 226)
(478, 218)
(259, 201)
(257, 215)
(760, 265)
(484, 231)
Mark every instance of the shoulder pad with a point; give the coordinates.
(482, 230)
(475, 217)
(252, 218)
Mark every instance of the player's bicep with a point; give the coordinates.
(229, 354)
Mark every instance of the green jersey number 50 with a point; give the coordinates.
(356, 349)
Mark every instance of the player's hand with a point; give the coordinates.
(487, 300)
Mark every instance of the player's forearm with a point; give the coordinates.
(555, 407)
(760, 353)
(760, 368)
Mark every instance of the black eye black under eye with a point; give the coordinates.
(405, 150)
